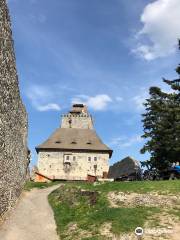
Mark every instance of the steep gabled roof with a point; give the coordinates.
(74, 139)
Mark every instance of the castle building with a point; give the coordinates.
(74, 150)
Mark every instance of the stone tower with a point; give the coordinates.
(78, 117)
(13, 120)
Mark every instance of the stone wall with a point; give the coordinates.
(13, 120)
(72, 165)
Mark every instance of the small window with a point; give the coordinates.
(49, 166)
(67, 158)
(58, 142)
(73, 142)
(89, 159)
(74, 158)
(95, 158)
(89, 142)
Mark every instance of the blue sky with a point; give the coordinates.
(103, 53)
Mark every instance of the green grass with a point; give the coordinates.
(30, 185)
(71, 207)
(162, 187)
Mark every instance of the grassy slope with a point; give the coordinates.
(70, 207)
(30, 185)
(163, 187)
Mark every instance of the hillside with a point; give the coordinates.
(114, 210)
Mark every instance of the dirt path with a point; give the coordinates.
(32, 219)
(176, 235)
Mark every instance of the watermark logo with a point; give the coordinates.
(139, 232)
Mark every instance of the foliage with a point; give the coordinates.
(161, 124)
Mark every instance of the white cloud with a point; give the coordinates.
(161, 28)
(119, 99)
(49, 106)
(36, 92)
(124, 142)
(41, 97)
(98, 103)
(41, 18)
(138, 101)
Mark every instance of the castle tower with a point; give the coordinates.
(74, 150)
(78, 117)
(13, 120)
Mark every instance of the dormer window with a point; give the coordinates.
(58, 142)
(73, 142)
(89, 142)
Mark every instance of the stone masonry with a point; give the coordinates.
(13, 120)
(77, 118)
(72, 165)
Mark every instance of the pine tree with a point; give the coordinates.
(161, 124)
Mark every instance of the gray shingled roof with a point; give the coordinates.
(74, 139)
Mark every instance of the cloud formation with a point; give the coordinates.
(124, 142)
(139, 100)
(44, 98)
(98, 103)
(48, 107)
(161, 29)
(40, 97)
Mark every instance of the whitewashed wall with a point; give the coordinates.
(57, 164)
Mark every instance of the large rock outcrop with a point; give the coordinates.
(127, 169)
(13, 120)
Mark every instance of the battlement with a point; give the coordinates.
(78, 117)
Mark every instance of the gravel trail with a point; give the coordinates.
(32, 219)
